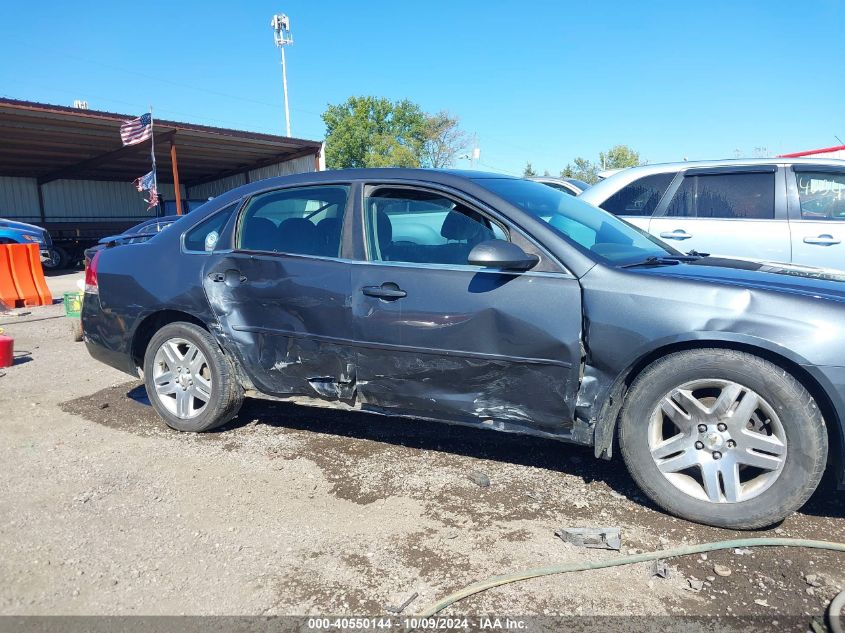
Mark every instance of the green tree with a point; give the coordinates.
(619, 157)
(444, 140)
(374, 132)
(528, 172)
(582, 169)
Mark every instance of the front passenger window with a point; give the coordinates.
(822, 195)
(303, 221)
(406, 225)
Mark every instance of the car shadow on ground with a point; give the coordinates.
(479, 443)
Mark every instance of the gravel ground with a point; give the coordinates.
(309, 511)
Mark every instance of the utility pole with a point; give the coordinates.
(474, 152)
(282, 37)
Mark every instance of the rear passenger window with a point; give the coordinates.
(406, 225)
(204, 236)
(730, 196)
(822, 195)
(306, 221)
(640, 197)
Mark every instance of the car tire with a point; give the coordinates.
(689, 408)
(190, 382)
(58, 259)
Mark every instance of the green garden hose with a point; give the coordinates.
(496, 581)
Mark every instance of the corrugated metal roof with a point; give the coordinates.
(51, 142)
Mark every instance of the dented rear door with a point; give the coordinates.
(282, 293)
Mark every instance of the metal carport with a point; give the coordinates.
(66, 169)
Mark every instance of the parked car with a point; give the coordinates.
(496, 302)
(12, 232)
(138, 233)
(787, 210)
(572, 186)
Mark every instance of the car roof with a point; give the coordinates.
(777, 160)
(599, 192)
(458, 178)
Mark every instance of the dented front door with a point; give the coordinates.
(466, 344)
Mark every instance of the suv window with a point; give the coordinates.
(406, 225)
(305, 221)
(822, 195)
(731, 196)
(203, 237)
(640, 197)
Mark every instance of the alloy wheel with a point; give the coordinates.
(717, 440)
(182, 378)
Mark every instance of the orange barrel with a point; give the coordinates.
(7, 350)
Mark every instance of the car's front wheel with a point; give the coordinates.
(58, 259)
(723, 437)
(190, 382)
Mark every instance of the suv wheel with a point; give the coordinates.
(723, 437)
(189, 381)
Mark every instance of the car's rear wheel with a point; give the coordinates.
(190, 382)
(723, 437)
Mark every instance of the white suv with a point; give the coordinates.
(777, 209)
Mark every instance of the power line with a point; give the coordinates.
(498, 169)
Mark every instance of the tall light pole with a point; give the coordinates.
(282, 37)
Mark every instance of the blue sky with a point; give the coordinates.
(538, 81)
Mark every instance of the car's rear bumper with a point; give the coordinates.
(118, 360)
(832, 380)
(106, 337)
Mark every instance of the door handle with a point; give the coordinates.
(825, 239)
(678, 234)
(388, 291)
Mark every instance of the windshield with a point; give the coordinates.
(595, 230)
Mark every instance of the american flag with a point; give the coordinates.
(145, 182)
(137, 130)
(153, 199)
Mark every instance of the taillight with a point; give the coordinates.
(91, 286)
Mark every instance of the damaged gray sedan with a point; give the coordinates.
(497, 302)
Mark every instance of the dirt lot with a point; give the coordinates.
(296, 510)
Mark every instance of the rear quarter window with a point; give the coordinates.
(639, 197)
(204, 236)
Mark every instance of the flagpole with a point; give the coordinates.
(153, 150)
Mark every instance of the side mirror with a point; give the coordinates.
(501, 254)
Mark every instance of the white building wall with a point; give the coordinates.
(19, 199)
(301, 165)
(98, 200)
(95, 200)
(215, 187)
